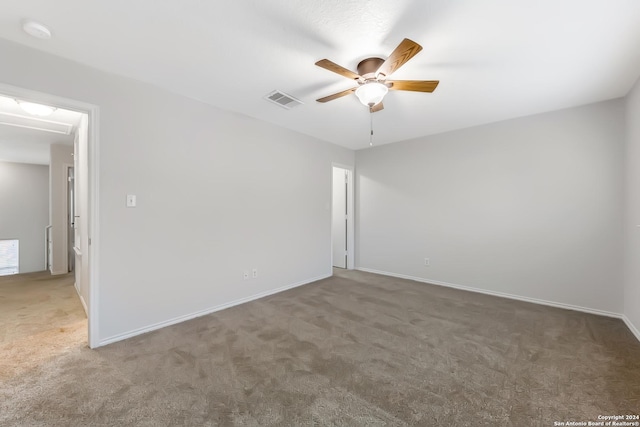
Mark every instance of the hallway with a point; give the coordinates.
(40, 316)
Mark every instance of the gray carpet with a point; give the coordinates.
(355, 349)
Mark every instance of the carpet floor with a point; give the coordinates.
(356, 349)
(40, 314)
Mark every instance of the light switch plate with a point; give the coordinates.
(131, 200)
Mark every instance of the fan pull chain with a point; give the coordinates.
(371, 135)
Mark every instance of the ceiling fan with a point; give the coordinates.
(373, 73)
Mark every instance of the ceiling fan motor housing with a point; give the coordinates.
(367, 68)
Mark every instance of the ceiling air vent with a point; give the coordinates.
(283, 100)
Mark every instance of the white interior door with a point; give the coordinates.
(339, 218)
(77, 242)
(81, 202)
(71, 212)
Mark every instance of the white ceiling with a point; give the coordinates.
(26, 139)
(495, 59)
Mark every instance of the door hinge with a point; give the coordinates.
(89, 240)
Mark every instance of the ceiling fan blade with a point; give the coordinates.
(413, 85)
(332, 66)
(376, 107)
(337, 95)
(406, 50)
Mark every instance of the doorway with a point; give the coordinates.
(86, 185)
(342, 230)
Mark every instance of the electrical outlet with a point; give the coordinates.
(427, 262)
(246, 275)
(254, 273)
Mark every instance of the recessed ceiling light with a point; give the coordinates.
(36, 109)
(36, 30)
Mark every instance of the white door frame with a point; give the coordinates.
(93, 143)
(350, 216)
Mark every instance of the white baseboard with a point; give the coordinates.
(499, 294)
(631, 327)
(84, 303)
(204, 312)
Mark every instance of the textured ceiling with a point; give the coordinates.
(495, 59)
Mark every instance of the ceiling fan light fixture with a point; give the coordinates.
(36, 109)
(371, 93)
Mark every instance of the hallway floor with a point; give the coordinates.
(40, 316)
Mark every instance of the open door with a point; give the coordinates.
(81, 211)
(339, 217)
(342, 226)
(71, 212)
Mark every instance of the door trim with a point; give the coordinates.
(93, 143)
(350, 215)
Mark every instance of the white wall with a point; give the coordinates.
(217, 192)
(61, 159)
(632, 217)
(24, 210)
(530, 207)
